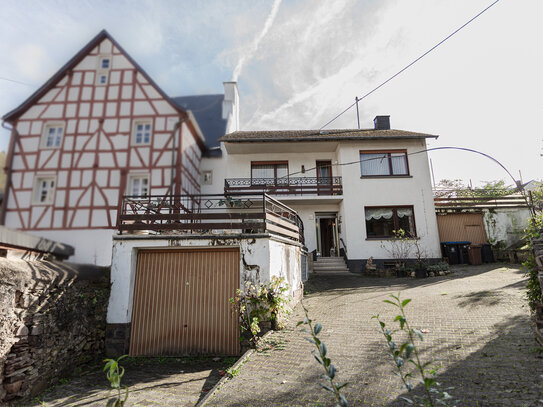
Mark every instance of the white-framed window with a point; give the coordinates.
(104, 65)
(44, 189)
(207, 177)
(105, 62)
(138, 185)
(143, 132)
(52, 135)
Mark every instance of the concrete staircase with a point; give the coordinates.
(330, 265)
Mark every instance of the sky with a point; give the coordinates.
(299, 63)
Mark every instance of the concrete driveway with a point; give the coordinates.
(479, 332)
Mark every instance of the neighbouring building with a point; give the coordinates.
(99, 129)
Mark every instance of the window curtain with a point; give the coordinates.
(379, 213)
(374, 164)
(399, 163)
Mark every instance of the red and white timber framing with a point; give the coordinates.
(98, 154)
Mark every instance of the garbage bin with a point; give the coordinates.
(455, 252)
(474, 254)
(487, 254)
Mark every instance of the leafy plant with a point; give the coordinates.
(406, 354)
(441, 266)
(259, 303)
(399, 248)
(114, 374)
(533, 288)
(320, 356)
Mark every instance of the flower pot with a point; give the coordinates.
(421, 273)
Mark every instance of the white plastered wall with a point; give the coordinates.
(92, 246)
(415, 190)
(260, 259)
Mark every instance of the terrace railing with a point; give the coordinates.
(286, 186)
(209, 214)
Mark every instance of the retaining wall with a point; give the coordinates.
(52, 320)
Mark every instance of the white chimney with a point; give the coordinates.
(230, 106)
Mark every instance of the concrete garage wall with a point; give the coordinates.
(52, 319)
(261, 257)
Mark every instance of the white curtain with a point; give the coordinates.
(378, 213)
(399, 164)
(404, 212)
(374, 164)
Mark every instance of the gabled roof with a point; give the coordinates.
(102, 35)
(207, 110)
(321, 135)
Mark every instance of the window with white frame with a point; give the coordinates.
(104, 64)
(44, 189)
(138, 185)
(52, 135)
(142, 132)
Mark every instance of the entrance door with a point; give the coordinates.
(327, 237)
(324, 177)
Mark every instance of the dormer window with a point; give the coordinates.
(52, 135)
(142, 132)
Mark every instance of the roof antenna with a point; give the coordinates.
(357, 114)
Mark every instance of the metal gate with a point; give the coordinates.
(181, 302)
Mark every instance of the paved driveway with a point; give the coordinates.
(478, 329)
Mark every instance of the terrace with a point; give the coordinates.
(227, 214)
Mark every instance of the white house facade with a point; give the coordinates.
(351, 188)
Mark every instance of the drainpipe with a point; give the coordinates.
(7, 170)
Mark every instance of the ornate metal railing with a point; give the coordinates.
(286, 186)
(209, 214)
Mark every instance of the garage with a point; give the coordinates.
(181, 302)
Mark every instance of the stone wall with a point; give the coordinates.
(52, 320)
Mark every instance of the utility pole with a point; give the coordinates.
(357, 114)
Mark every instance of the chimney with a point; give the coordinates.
(230, 106)
(381, 122)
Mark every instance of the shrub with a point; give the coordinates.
(533, 289)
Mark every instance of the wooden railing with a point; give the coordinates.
(286, 186)
(201, 214)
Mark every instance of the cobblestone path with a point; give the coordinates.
(478, 329)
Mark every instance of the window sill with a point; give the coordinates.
(385, 176)
(390, 238)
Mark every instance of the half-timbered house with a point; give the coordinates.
(99, 129)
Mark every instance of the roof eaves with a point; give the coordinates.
(13, 114)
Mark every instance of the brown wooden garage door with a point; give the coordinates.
(181, 303)
(460, 227)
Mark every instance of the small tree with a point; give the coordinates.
(399, 248)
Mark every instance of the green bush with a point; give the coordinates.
(533, 289)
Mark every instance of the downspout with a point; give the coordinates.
(174, 168)
(7, 170)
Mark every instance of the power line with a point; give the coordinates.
(409, 65)
(14, 81)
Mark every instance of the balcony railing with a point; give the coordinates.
(209, 214)
(286, 186)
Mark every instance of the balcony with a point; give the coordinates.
(209, 215)
(323, 186)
